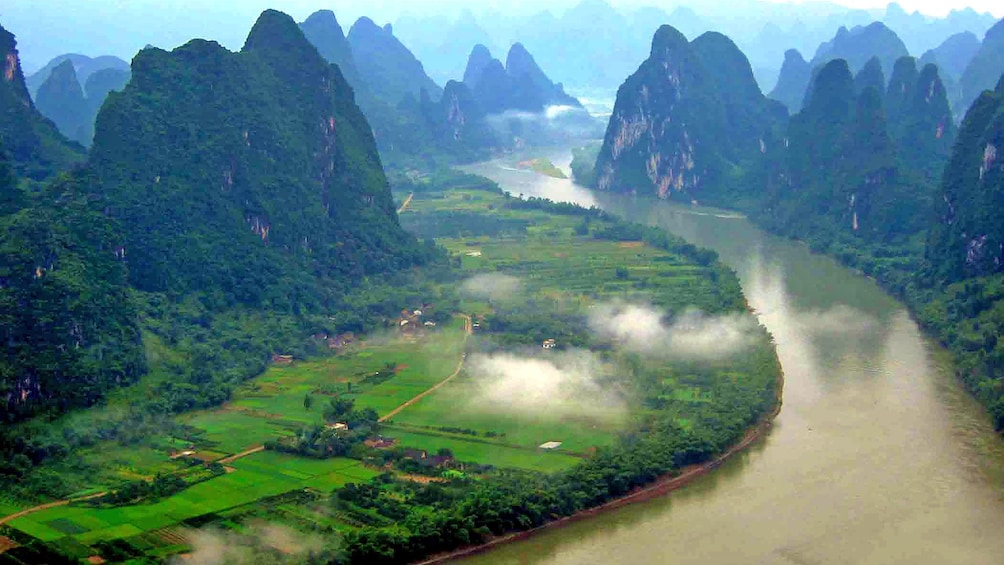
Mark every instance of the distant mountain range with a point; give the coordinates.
(619, 38)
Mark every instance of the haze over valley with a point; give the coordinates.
(587, 281)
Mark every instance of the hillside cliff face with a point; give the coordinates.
(68, 326)
(969, 238)
(36, 149)
(686, 120)
(250, 174)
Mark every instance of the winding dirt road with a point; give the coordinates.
(468, 329)
(45, 506)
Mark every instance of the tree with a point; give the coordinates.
(308, 401)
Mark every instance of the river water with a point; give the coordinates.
(878, 455)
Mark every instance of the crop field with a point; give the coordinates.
(563, 269)
(273, 404)
(254, 477)
(484, 452)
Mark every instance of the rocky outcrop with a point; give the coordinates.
(686, 120)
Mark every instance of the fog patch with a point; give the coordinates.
(690, 335)
(261, 543)
(554, 124)
(559, 383)
(491, 286)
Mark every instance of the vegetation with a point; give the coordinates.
(440, 472)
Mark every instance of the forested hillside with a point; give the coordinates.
(247, 175)
(233, 205)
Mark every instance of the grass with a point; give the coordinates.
(452, 407)
(257, 476)
(484, 452)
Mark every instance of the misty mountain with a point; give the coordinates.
(34, 146)
(985, 68)
(386, 66)
(954, 54)
(520, 85)
(61, 99)
(857, 46)
(792, 81)
(325, 33)
(83, 66)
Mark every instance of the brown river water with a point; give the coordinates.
(878, 455)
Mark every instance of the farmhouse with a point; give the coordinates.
(550, 344)
(550, 445)
(282, 359)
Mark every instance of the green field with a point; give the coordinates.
(257, 476)
(564, 265)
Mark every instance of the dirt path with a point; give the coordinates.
(45, 506)
(468, 329)
(241, 455)
(407, 202)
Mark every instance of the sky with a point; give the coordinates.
(46, 28)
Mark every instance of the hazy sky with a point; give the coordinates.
(46, 28)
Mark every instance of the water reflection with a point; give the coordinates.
(877, 457)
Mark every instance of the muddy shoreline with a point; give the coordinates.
(660, 487)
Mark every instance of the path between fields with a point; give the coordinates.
(407, 202)
(45, 506)
(468, 329)
(241, 455)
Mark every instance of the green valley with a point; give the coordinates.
(447, 451)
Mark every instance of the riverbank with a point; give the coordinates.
(660, 487)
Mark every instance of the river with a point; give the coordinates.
(878, 455)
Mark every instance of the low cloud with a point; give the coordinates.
(260, 543)
(491, 286)
(560, 383)
(690, 335)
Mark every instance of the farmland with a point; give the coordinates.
(456, 422)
